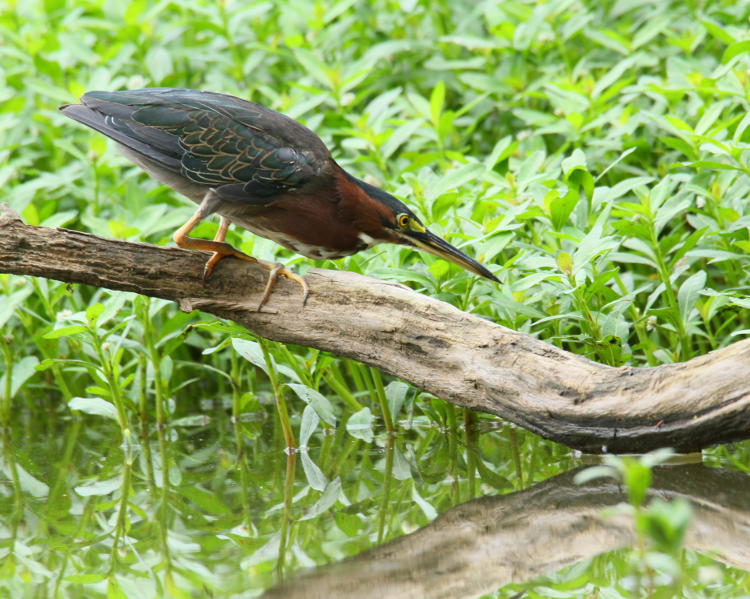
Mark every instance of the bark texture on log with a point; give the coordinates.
(457, 356)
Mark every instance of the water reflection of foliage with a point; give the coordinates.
(513, 106)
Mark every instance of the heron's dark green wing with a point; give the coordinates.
(243, 150)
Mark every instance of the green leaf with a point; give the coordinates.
(712, 164)
(251, 351)
(207, 501)
(400, 136)
(576, 160)
(395, 393)
(315, 477)
(27, 482)
(99, 487)
(350, 524)
(21, 371)
(269, 551)
(594, 472)
(159, 63)
(610, 39)
(534, 118)
(313, 66)
(616, 161)
(329, 497)
(651, 28)
(60, 219)
(718, 31)
(582, 179)
(319, 402)
(359, 425)
(97, 390)
(687, 245)
(689, 292)
(502, 150)
(712, 112)
(592, 245)
(193, 420)
(637, 478)
(679, 124)
(95, 406)
(626, 186)
(11, 302)
(565, 263)
(401, 469)
(452, 179)
(679, 144)
(427, 508)
(49, 363)
(561, 207)
(75, 329)
(665, 523)
(309, 424)
(492, 478)
(714, 255)
(437, 101)
(735, 49)
(114, 590)
(741, 127)
(657, 456)
(93, 312)
(166, 367)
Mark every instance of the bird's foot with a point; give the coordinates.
(275, 270)
(221, 249)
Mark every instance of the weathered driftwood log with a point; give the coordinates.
(481, 545)
(456, 356)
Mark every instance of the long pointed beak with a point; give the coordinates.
(429, 242)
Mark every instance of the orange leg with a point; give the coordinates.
(221, 249)
(220, 236)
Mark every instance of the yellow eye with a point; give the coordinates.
(403, 220)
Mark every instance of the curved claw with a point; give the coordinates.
(208, 267)
(275, 271)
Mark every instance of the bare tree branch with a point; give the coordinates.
(456, 356)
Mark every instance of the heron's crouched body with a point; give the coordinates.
(257, 169)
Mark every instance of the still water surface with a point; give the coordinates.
(213, 508)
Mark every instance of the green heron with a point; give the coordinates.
(258, 169)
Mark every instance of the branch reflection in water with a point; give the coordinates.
(484, 544)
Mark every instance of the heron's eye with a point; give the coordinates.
(403, 220)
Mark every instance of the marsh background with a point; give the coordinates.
(594, 154)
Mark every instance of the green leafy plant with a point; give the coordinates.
(594, 155)
(660, 525)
